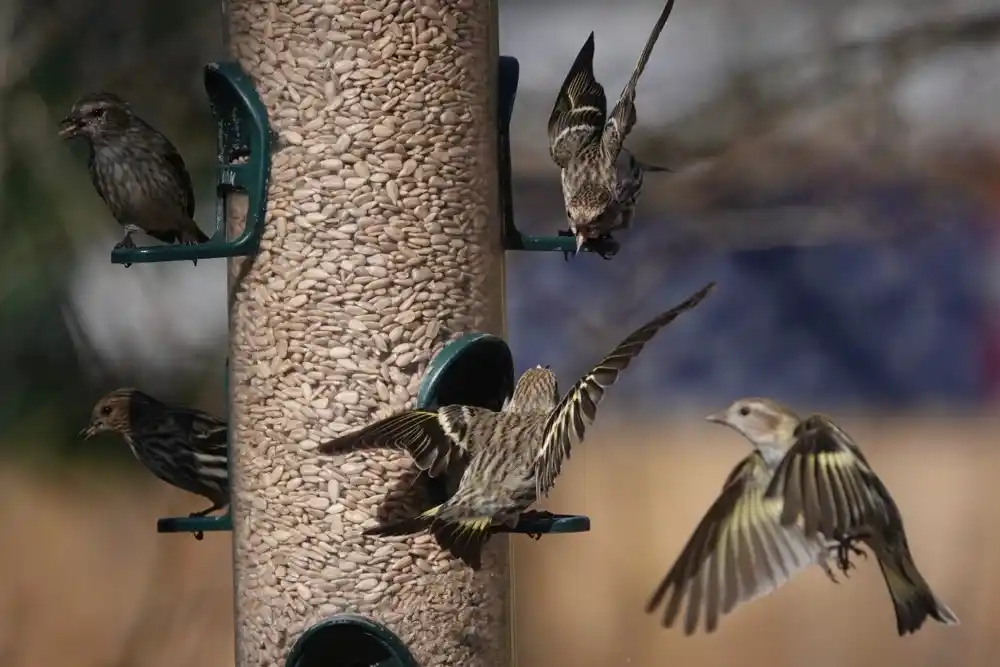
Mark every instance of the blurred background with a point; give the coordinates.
(837, 172)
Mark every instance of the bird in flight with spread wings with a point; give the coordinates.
(512, 457)
(805, 494)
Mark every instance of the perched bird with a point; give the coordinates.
(806, 491)
(510, 458)
(598, 190)
(185, 448)
(136, 171)
(536, 391)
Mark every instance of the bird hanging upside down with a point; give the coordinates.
(601, 179)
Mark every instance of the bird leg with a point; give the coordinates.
(126, 242)
(605, 246)
(199, 535)
(567, 253)
(535, 515)
(844, 548)
(187, 238)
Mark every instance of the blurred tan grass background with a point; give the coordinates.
(89, 582)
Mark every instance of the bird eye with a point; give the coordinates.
(106, 410)
(744, 411)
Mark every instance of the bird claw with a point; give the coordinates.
(567, 253)
(198, 535)
(606, 247)
(126, 243)
(535, 515)
(844, 548)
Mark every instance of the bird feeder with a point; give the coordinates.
(382, 254)
(244, 164)
(382, 246)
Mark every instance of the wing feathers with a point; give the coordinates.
(738, 552)
(578, 408)
(422, 433)
(622, 118)
(826, 483)
(578, 117)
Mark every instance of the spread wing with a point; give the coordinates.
(739, 551)
(577, 409)
(622, 117)
(825, 481)
(431, 437)
(577, 119)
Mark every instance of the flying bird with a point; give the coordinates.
(599, 190)
(185, 448)
(509, 458)
(136, 171)
(806, 493)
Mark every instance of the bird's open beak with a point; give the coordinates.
(88, 432)
(716, 418)
(69, 127)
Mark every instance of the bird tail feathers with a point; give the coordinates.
(911, 596)
(463, 538)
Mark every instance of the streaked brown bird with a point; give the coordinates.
(805, 492)
(536, 391)
(136, 170)
(184, 447)
(599, 192)
(510, 458)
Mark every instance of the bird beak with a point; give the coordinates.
(580, 240)
(717, 418)
(88, 432)
(69, 127)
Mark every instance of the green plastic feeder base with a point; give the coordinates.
(244, 165)
(349, 640)
(513, 239)
(544, 523)
(195, 524)
(475, 369)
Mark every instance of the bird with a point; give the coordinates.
(536, 391)
(599, 190)
(510, 458)
(806, 493)
(184, 447)
(135, 170)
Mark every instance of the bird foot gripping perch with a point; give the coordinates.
(196, 524)
(244, 165)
